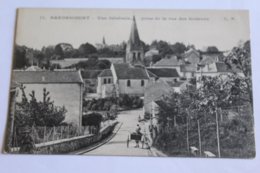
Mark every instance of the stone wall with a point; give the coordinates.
(69, 145)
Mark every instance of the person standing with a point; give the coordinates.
(138, 132)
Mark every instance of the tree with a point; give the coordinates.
(19, 57)
(40, 113)
(178, 48)
(48, 51)
(86, 49)
(240, 59)
(212, 49)
(163, 47)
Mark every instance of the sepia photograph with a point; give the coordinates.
(131, 82)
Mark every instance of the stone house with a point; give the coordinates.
(65, 88)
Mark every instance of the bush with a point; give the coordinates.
(93, 119)
(105, 104)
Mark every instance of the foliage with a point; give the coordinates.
(240, 59)
(31, 112)
(19, 57)
(212, 49)
(93, 119)
(92, 63)
(86, 49)
(166, 48)
(105, 104)
(202, 104)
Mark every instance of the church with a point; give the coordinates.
(130, 77)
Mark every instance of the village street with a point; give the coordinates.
(117, 145)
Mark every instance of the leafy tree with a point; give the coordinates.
(93, 119)
(48, 51)
(240, 59)
(19, 57)
(212, 49)
(163, 47)
(86, 49)
(31, 112)
(156, 58)
(178, 48)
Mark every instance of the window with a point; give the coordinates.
(142, 82)
(134, 56)
(109, 80)
(139, 55)
(105, 81)
(128, 83)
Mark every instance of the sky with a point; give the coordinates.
(36, 28)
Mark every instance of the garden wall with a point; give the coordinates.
(68, 145)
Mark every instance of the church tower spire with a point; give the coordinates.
(103, 41)
(134, 48)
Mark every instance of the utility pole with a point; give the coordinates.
(187, 132)
(217, 129)
(198, 121)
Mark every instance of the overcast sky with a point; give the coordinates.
(40, 27)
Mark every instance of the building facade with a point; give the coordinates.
(65, 88)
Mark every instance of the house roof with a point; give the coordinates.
(33, 68)
(156, 91)
(169, 62)
(105, 73)
(46, 77)
(90, 74)
(164, 72)
(151, 74)
(222, 67)
(218, 67)
(175, 84)
(209, 58)
(125, 71)
(188, 68)
(192, 56)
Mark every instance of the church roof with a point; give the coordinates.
(125, 71)
(46, 77)
(134, 42)
(164, 72)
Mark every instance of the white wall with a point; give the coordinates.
(134, 89)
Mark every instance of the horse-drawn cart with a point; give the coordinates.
(134, 136)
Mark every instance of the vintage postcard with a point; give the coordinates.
(166, 83)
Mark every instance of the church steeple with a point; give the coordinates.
(103, 41)
(134, 49)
